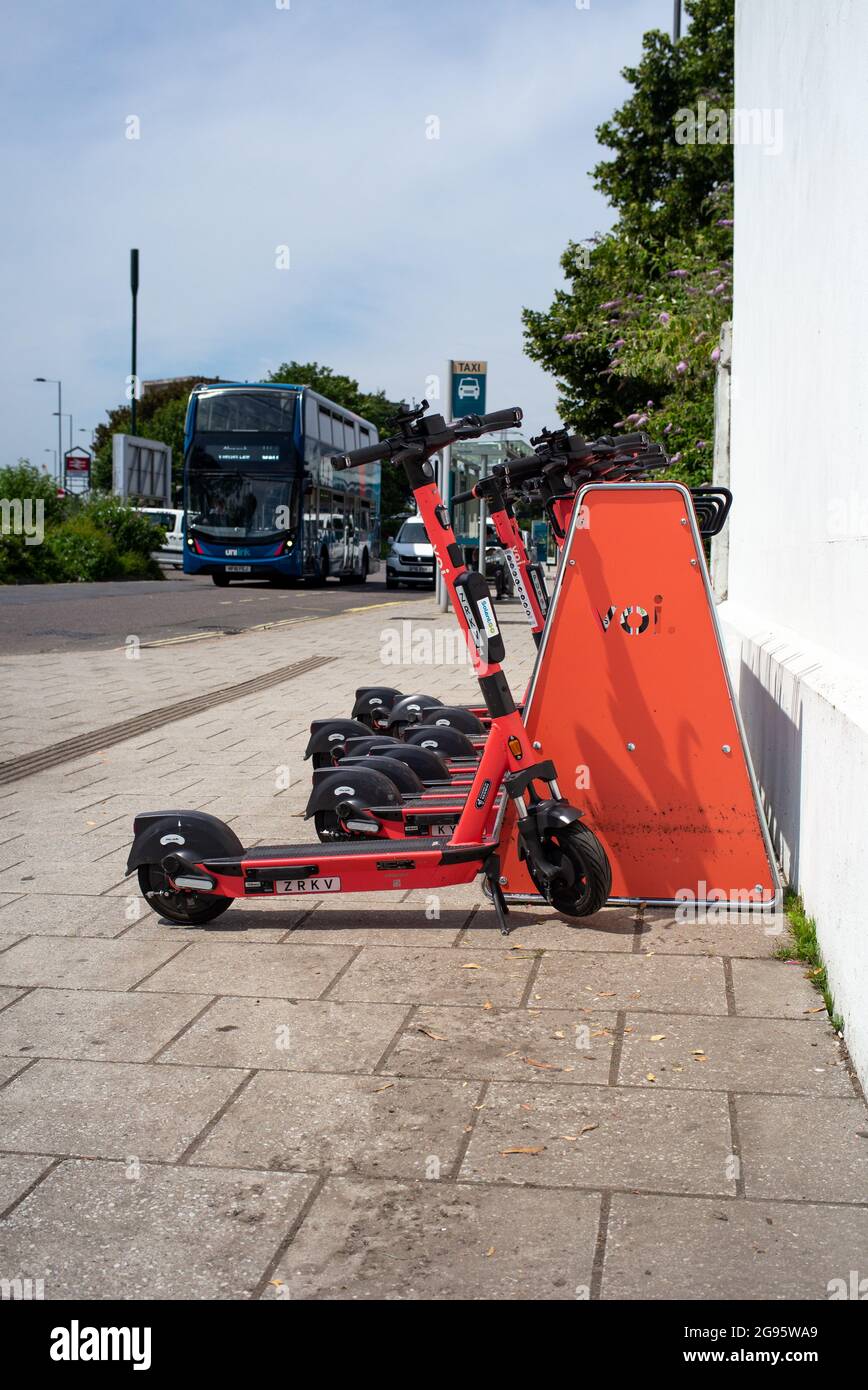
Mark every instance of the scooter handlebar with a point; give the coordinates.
(369, 454)
(422, 444)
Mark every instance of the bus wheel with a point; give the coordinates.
(221, 580)
(366, 565)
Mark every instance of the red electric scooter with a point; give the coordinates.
(191, 866)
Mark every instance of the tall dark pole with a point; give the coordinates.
(134, 286)
(676, 21)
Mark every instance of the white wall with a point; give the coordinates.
(796, 618)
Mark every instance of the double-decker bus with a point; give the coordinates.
(261, 499)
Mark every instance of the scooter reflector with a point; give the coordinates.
(632, 701)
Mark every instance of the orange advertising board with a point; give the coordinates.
(631, 699)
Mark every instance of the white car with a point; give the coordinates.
(468, 387)
(172, 553)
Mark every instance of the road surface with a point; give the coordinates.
(68, 617)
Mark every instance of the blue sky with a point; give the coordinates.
(306, 127)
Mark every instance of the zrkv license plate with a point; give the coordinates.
(307, 885)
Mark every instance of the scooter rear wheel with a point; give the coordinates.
(585, 881)
(187, 907)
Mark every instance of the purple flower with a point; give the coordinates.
(675, 458)
(715, 356)
(633, 418)
(649, 405)
(641, 419)
(664, 318)
(667, 428)
(724, 221)
(681, 367)
(619, 343)
(700, 443)
(611, 304)
(678, 274)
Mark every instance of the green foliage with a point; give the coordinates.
(633, 337)
(80, 550)
(23, 481)
(85, 538)
(371, 405)
(805, 946)
(160, 415)
(128, 529)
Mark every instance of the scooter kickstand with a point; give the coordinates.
(492, 873)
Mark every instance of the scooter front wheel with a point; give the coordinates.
(189, 908)
(584, 882)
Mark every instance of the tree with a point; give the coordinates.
(372, 405)
(633, 339)
(160, 415)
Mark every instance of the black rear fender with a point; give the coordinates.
(158, 833)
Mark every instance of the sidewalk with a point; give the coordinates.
(324, 1102)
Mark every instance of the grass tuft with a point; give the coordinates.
(804, 946)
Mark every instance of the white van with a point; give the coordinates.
(172, 553)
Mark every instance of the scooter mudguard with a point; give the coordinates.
(158, 833)
(411, 709)
(326, 733)
(425, 762)
(404, 777)
(449, 743)
(374, 702)
(355, 788)
(454, 717)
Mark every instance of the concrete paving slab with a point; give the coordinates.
(401, 926)
(662, 935)
(505, 1044)
(111, 1109)
(774, 989)
(17, 1173)
(699, 1250)
(95, 1025)
(686, 984)
(361, 1124)
(8, 996)
(441, 1241)
(259, 926)
(787, 1056)
(418, 976)
(92, 1232)
(11, 1066)
(288, 1035)
(598, 1136)
(65, 914)
(814, 1149)
(283, 972)
(81, 962)
(610, 930)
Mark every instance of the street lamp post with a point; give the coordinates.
(134, 289)
(676, 21)
(54, 382)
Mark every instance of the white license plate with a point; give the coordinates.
(239, 569)
(307, 885)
